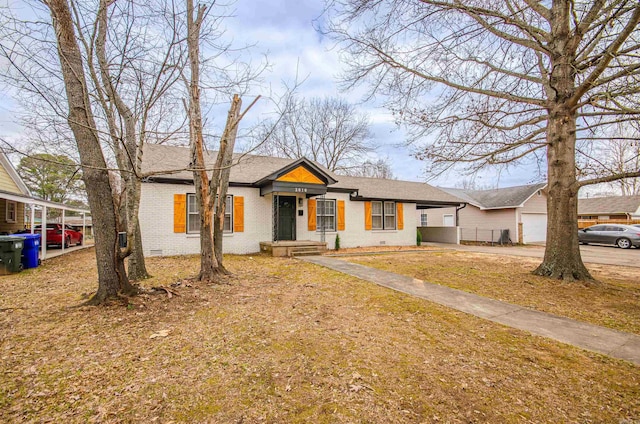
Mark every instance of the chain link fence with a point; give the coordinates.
(489, 236)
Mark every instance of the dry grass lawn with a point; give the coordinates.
(283, 342)
(615, 303)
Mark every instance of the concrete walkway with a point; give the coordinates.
(587, 336)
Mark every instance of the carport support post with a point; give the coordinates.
(43, 232)
(64, 236)
(33, 218)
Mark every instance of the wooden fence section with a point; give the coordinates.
(584, 223)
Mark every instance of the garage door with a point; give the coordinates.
(534, 227)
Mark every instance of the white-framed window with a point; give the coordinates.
(389, 215)
(447, 220)
(326, 214)
(12, 211)
(228, 215)
(423, 219)
(193, 215)
(383, 215)
(376, 215)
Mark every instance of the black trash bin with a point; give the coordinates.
(11, 253)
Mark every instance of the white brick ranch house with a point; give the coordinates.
(278, 199)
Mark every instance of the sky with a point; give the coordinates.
(285, 32)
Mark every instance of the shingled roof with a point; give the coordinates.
(167, 163)
(499, 198)
(610, 205)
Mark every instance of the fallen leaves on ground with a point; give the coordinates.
(283, 342)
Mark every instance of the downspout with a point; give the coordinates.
(458, 229)
(458, 208)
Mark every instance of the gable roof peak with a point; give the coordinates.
(13, 174)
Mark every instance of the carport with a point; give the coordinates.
(36, 204)
(449, 232)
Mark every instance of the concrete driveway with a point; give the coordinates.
(608, 255)
(53, 252)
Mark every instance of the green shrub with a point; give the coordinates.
(337, 246)
(418, 238)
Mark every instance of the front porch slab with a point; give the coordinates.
(293, 247)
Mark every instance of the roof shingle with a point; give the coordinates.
(169, 162)
(499, 198)
(608, 205)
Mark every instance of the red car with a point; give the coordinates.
(54, 235)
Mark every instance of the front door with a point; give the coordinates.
(286, 217)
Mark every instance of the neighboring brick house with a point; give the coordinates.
(610, 207)
(277, 199)
(522, 210)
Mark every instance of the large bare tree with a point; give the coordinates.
(329, 131)
(132, 77)
(496, 82)
(112, 278)
(132, 57)
(211, 182)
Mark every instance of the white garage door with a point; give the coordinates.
(534, 227)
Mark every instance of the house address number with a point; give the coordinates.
(300, 190)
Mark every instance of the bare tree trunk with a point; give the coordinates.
(562, 258)
(126, 153)
(225, 155)
(204, 196)
(137, 269)
(112, 278)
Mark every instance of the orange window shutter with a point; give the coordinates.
(311, 210)
(400, 215)
(179, 213)
(238, 214)
(367, 216)
(341, 223)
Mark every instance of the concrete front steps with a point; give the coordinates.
(293, 248)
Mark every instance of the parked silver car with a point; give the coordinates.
(623, 236)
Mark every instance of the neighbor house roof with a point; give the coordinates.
(167, 164)
(13, 176)
(498, 198)
(609, 205)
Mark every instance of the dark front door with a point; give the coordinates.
(286, 218)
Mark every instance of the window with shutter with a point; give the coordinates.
(381, 215)
(192, 218)
(238, 214)
(311, 212)
(341, 217)
(179, 211)
(326, 214)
